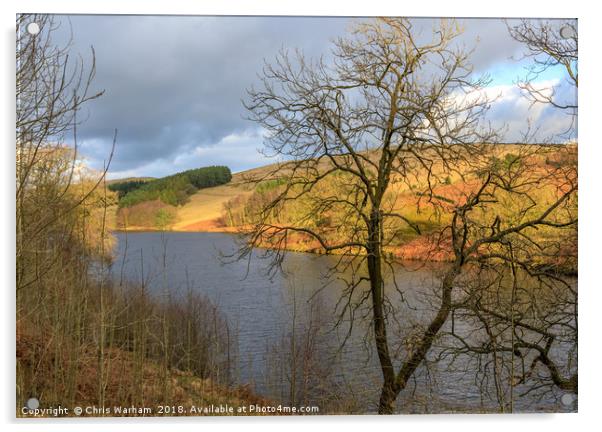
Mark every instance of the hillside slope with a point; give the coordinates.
(227, 208)
(205, 207)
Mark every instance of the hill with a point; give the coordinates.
(154, 203)
(202, 211)
(228, 207)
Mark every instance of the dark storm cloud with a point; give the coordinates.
(174, 84)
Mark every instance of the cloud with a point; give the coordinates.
(239, 151)
(516, 115)
(174, 84)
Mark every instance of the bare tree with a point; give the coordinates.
(59, 231)
(516, 239)
(550, 44)
(368, 142)
(392, 111)
(51, 88)
(521, 302)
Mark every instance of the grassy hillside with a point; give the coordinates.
(206, 207)
(203, 210)
(154, 203)
(230, 207)
(174, 189)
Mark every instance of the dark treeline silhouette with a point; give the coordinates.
(124, 187)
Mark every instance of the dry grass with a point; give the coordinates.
(204, 209)
(207, 205)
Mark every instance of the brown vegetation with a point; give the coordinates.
(81, 336)
(122, 388)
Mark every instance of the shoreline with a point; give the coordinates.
(417, 250)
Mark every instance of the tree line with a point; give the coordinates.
(174, 189)
(124, 187)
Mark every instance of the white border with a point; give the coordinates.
(590, 211)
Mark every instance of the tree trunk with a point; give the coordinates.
(393, 384)
(419, 353)
(387, 398)
(374, 259)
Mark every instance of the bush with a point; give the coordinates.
(511, 160)
(163, 218)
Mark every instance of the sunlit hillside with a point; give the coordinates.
(230, 207)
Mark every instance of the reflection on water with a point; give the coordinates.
(290, 341)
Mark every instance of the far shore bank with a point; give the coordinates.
(420, 249)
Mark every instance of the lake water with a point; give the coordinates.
(266, 315)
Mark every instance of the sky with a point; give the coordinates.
(174, 85)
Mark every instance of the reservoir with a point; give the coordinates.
(296, 320)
